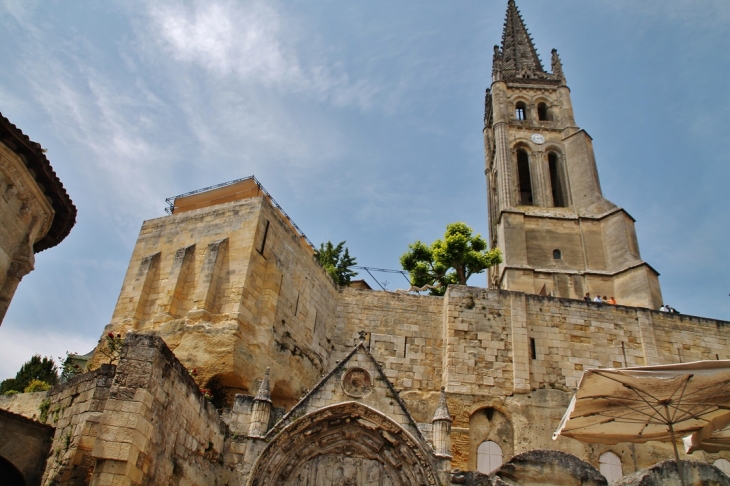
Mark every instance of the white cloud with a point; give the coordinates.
(18, 346)
(255, 43)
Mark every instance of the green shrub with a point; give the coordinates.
(36, 386)
(11, 392)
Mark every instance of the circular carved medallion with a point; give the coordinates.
(357, 383)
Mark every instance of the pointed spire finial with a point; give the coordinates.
(442, 411)
(264, 393)
(518, 57)
(557, 64)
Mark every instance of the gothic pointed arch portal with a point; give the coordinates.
(344, 444)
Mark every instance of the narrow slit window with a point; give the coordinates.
(263, 241)
(533, 350)
(521, 111)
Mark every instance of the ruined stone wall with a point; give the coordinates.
(215, 282)
(74, 409)
(156, 427)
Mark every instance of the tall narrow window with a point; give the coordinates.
(263, 241)
(523, 172)
(542, 112)
(489, 457)
(521, 110)
(610, 466)
(556, 180)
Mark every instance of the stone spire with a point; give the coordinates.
(442, 428)
(518, 56)
(261, 411)
(264, 393)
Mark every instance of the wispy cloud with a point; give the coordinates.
(256, 43)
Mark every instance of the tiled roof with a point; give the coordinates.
(47, 180)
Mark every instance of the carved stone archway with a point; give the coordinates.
(344, 445)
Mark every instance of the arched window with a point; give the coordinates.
(523, 173)
(543, 114)
(521, 110)
(557, 255)
(557, 182)
(610, 466)
(489, 457)
(723, 465)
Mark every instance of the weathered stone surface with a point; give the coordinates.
(665, 474)
(549, 468)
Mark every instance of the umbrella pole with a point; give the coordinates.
(676, 453)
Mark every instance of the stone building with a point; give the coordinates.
(35, 211)
(314, 384)
(557, 232)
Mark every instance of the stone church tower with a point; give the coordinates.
(559, 236)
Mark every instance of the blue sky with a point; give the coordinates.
(363, 120)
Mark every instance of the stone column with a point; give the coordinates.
(541, 189)
(442, 428)
(261, 409)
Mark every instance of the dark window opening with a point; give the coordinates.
(556, 180)
(557, 255)
(533, 350)
(523, 172)
(263, 242)
(542, 112)
(521, 111)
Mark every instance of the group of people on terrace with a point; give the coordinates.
(599, 299)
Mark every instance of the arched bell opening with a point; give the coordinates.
(347, 443)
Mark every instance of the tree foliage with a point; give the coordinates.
(449, 261)
(37, 368)
(336, 260)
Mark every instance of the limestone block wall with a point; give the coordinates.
(156, 427)
(73, 409)
(404, 333)
(232, 289)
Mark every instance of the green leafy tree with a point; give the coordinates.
(336, 260)
(449, 261)
(37, 368)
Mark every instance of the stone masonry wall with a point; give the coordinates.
(73, 409)
(25, 404)
(156, 429)
(404, 333)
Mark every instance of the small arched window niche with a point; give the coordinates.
(489, 457)
(523, 174)
(610, 466)
(557, 255)
(521, 110)
(543, 112)
(557, 180)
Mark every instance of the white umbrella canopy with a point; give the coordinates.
(648, 403)
(714, 437)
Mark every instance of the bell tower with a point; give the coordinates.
(558, 235)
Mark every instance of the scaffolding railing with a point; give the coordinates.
(171, 202)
